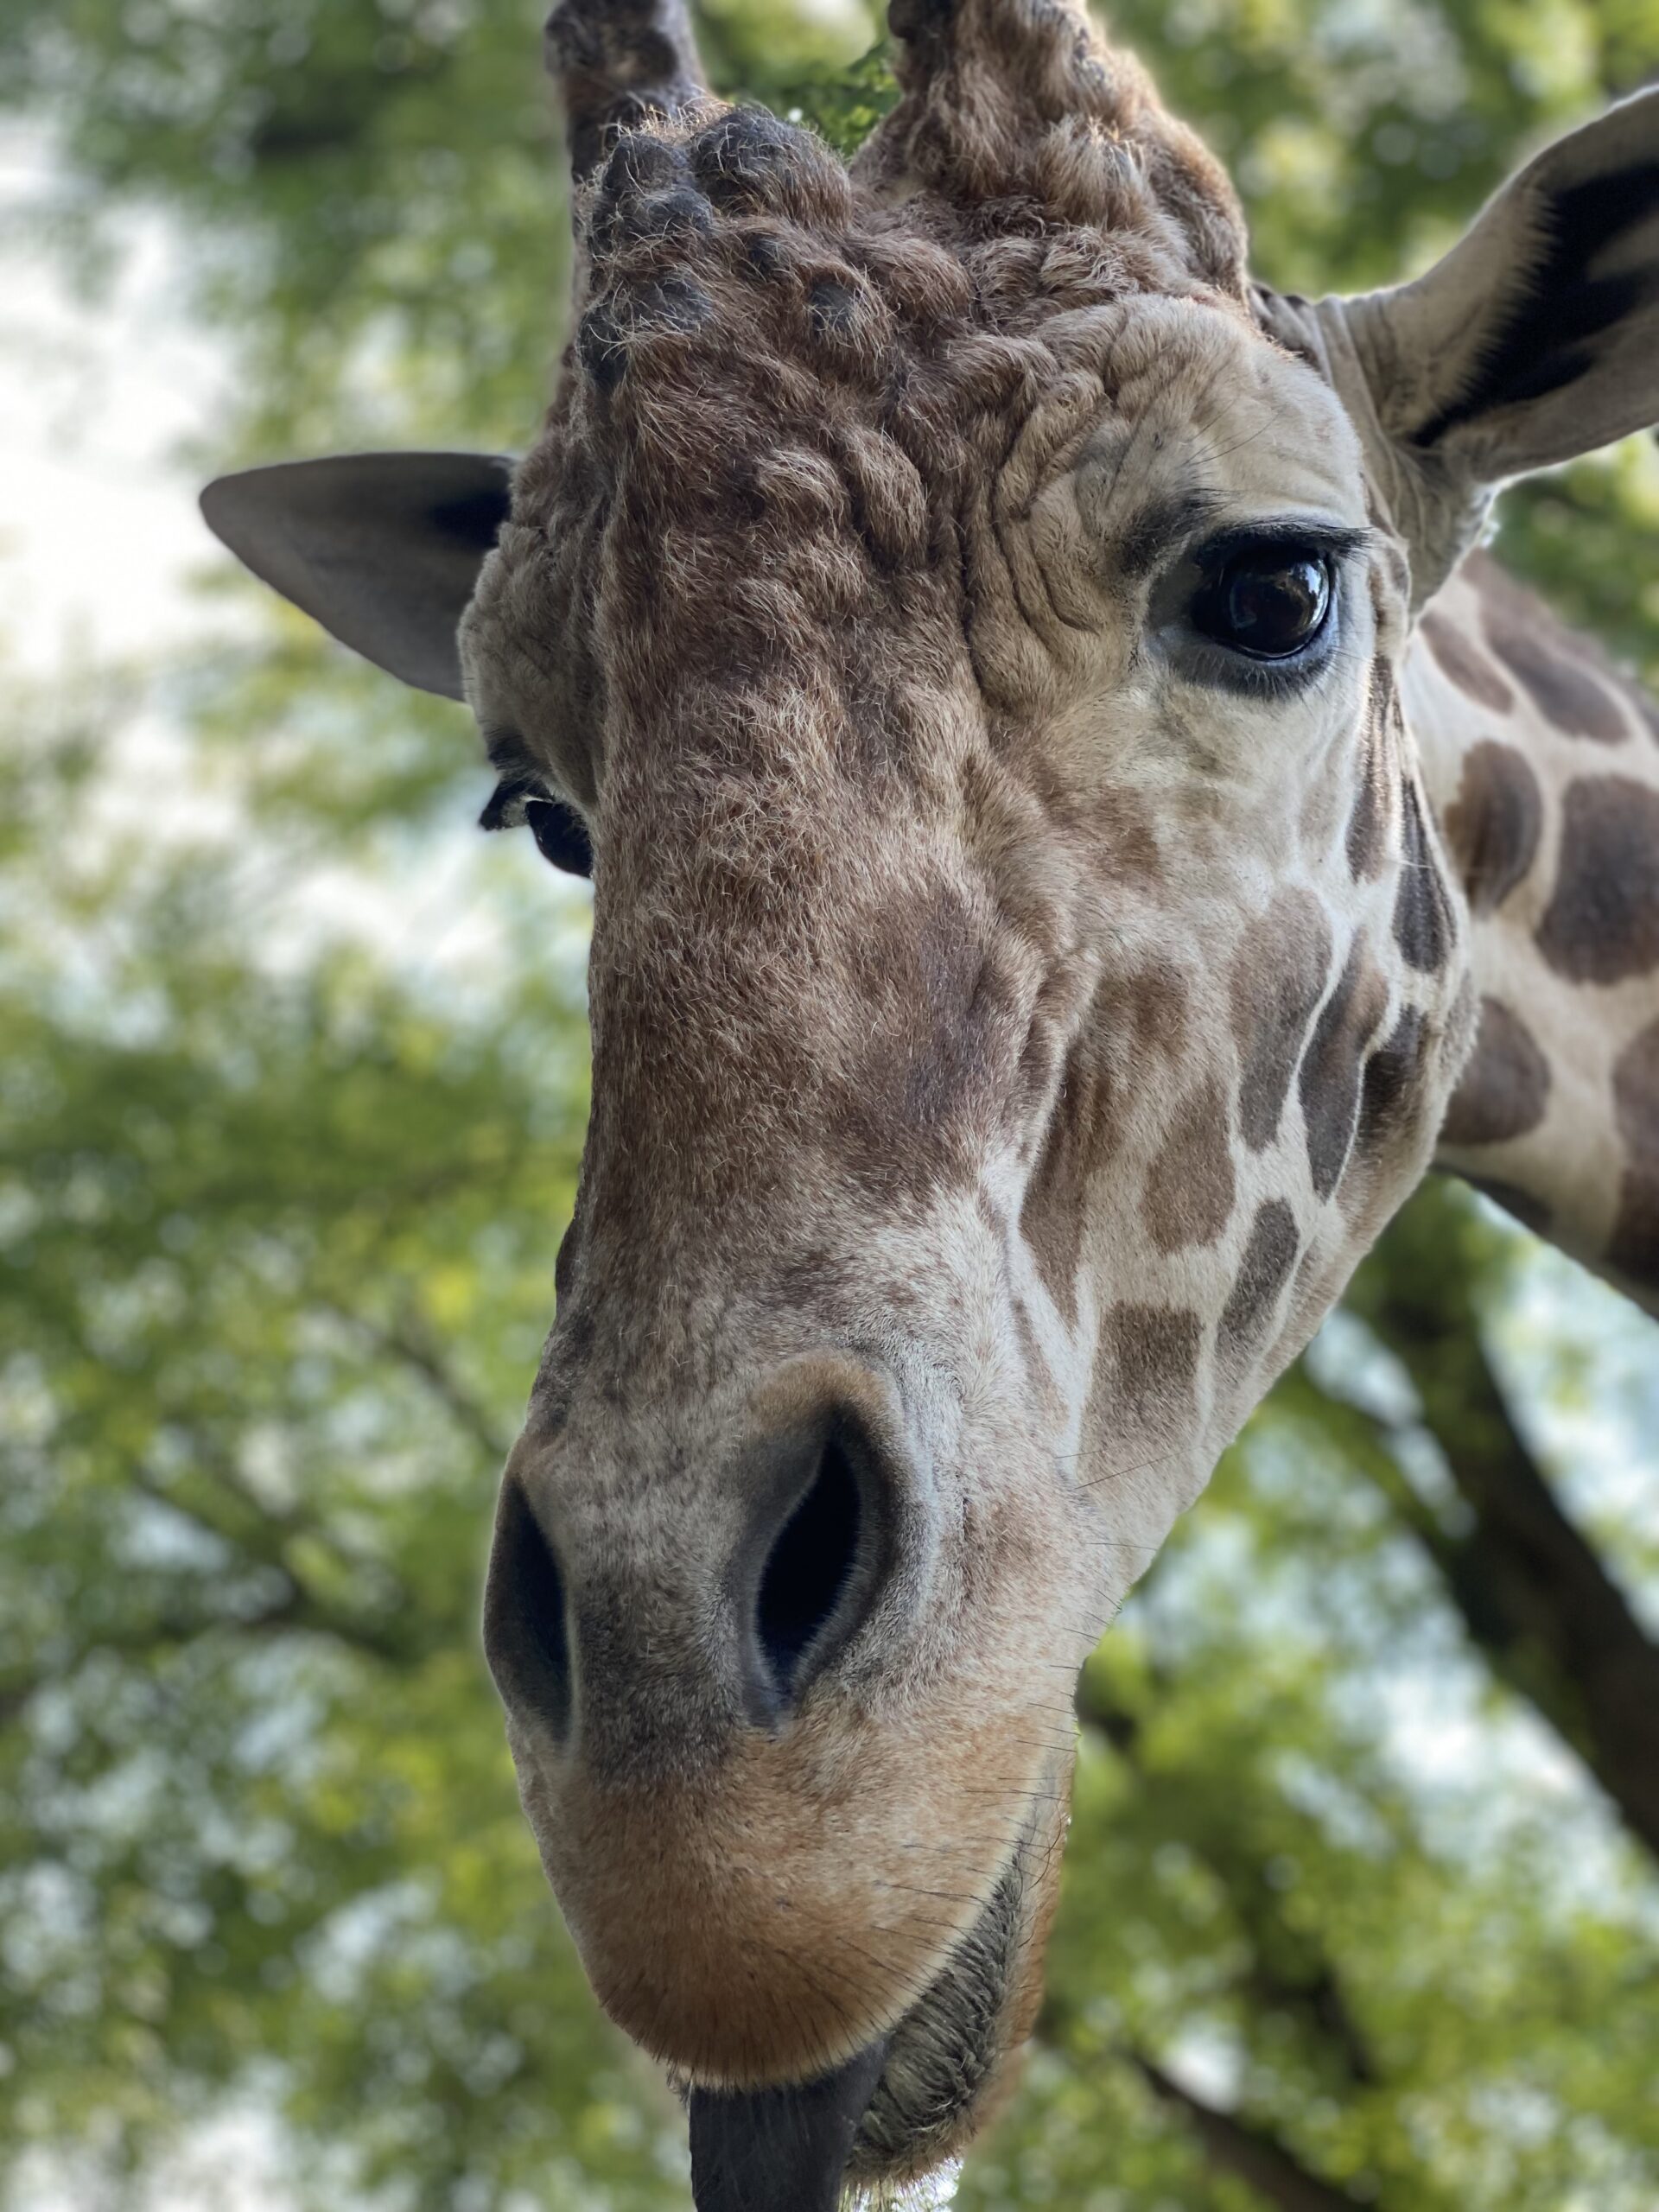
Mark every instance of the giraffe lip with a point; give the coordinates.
(906, 2104)
(896, 2109)
(783, 2149)
(946, 2050)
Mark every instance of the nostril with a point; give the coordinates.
(525, 1639)
(811, 1568)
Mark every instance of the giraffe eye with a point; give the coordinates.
(1267, 600)
(561, 834)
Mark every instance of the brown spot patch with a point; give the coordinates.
(1125, 836)
(1188, 1195)
(1145, 1010)
(1493, 825)
(1156, 998)
(1635, 1095)
(1083, 1131)
(1561, 688)
(1635, 1246)
(1152, 1356)
(1423, 927)
(1467, 667)
(940, 1025)
(1262, 1273)
(1525, 613)
(1129, 1017)
(1505, 1088)
(1369, 823)
(1392, 1082)
(1634, 1250)
(1602, 923)
(1331, 1066)
(1032, 1352)
(1277, 979)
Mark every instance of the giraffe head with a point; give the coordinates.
(955, 617)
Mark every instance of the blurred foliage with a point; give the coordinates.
(1361, 1906)
(846, 107)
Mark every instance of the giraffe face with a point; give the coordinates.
(1022, 983)
(955, 616)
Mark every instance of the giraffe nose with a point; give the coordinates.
(814, 1559)
(641, 1640)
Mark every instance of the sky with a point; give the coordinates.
(107, 401)
(99, 532)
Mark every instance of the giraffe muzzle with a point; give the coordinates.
(717, 1620)
(783, 1802)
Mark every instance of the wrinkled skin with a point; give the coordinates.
(1019, 997)
(962, 930)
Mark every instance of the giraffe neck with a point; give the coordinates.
(1542, 765)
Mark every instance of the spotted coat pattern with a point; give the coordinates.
(1543, 762)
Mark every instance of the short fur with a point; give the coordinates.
(1008, 1031)
(830, 632)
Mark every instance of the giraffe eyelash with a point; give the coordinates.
(561, 833)
(521, 799)
(504, 809)
(1336, 541)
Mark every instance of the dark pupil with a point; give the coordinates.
(561, 835)
(1265, 603)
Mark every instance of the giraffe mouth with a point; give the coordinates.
(946, 2057)
(908, 2103)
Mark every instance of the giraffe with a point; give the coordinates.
(1076, 829)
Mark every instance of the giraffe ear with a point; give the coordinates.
(1536, 339)
(383, 548)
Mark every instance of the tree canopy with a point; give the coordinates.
(1361, 1906)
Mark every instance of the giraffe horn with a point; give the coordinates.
(616, 60)
(1023, 99)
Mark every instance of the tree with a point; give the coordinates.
(277, 1215)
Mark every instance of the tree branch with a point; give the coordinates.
(1255, 2156)
(1289, 1972)
(1532, 1591)
(296, 1610)
(165, 1632)
(406, 1340)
